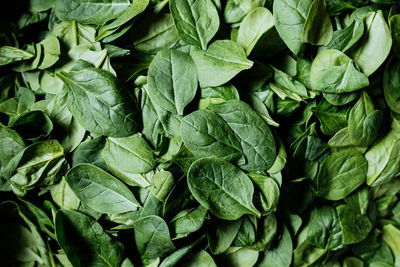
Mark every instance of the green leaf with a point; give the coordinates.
(391, 235)
(212, 182)
(376, 43)
(96, 12)
(9, 54)
(220, 234)
(137, 7)
(324, 229)
(196, 21)
(101, 191)
(254, 135)
(128, 156)
(340, 174)
(280, 255)
(391, 83)
(334, 72)
(222, 61)
(364, 121)
(172, 80)
(199, 259)
(355, 226)
(152, 238)
(253, 26)
(155, 34)
(290, 17)
(99, 103)
(205, 133)
(383, 159)
(85, 242)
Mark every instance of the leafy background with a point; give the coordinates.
(200, 133)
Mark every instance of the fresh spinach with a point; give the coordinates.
(200, 133)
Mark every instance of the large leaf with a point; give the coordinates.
(213, 181)
(128, 156)
(222, 61)
(340, 174)
(290, 16)
(101, 191)
(197, 21)
(85, 242)
(253, 26)
(376, 43)
(99, 102)
(253, 133)
(334, 72)
(391, 84)
(152, 238)
(317, 29)
(172, 80)
(205, 133)
(96, 12)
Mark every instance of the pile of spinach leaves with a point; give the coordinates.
(200, 133)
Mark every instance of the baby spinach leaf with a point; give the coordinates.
(212, 180)
(376, 35)
(222, 61)
(340, 174)
(90, 11)
(101, 191)
(364, 121)
(355, 226)
(383, 159)
(128, 156)
(172, 80)
(279, 255)
(98, 101)
(136, 7)
(196, 21)
(394, 23)
(251, 131)
(152, 238)
(324, 229)
(205, 133)
(391, 82)
(317, 29)
(253, 26)
(334, 72)
(155, 34)
(290, 17)
(9, 54)
(85, 242)
(235, 11)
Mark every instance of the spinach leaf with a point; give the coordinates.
(90, 11)
(253, 26)
(205, 133)
(100, 191)
(222, 61)
(152, 238)
(196, 21)
(172, 80)
(111, 108)
(334, 72)
(212, 180)
(340, 174)
(317, 29)
(290, 17)
(324, 229)
(128, 156)
(364, 121)
(85, 242)
(251, 131)
(377, 34)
